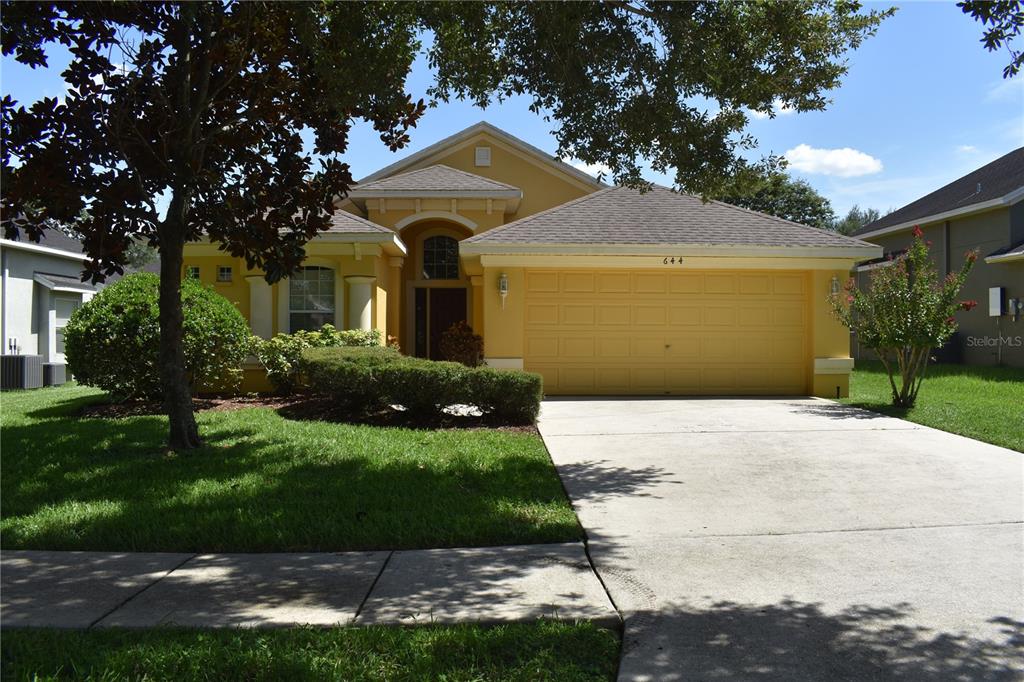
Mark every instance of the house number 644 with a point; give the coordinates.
(672, 260)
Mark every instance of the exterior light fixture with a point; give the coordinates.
(503, 288)
(835, 284)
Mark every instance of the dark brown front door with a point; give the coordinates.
(437, 309)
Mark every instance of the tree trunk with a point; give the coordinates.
(183, 433)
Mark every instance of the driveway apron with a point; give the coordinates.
(796, 539)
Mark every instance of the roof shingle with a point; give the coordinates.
(992, 181)
(622, 215)
(436, 178)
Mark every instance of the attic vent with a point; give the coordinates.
(483, 156)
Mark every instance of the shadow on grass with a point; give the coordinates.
(792, 640)
(263, 484)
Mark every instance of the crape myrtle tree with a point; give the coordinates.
(182, 120)
(904, 313)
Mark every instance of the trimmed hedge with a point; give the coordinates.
(280, 355)
(369, 379)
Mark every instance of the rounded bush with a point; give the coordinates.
(113, 341)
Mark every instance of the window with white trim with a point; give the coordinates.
(223, 273)
(311, 298)
(192, 272)
(440, 258)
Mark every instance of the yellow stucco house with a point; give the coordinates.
(602, 290)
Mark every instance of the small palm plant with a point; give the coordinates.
(905, 312)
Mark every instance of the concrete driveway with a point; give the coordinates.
(796, 539)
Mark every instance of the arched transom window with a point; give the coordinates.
(311, 298)
(440, 258)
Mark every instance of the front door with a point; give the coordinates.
(437, 309)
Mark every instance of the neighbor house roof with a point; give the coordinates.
(436, 178)
(622, 217)
(1010, 253)
(996, 184)
(53, 242)
(56, 282)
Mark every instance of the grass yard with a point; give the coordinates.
(541, 651)
(986, 403)
(265, 483)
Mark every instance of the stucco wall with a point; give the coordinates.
(27, 305)
(986, 232)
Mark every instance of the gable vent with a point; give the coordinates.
(483, 156)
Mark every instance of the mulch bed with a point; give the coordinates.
(304, 408)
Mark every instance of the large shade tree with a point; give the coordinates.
(777, 194)
(183, 120)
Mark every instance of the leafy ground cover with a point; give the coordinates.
(539, 651)
(986, 403)
(264, 482)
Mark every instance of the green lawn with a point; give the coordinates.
(265, 483)
(986, 403)
(540, 651)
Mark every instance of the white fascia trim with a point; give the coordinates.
(37, 248)
(693, 250)
(437, 194)
(1005, 258)
(1002, 202)
(443, 215)
(498, 133)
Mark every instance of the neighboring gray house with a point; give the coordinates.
(983, 211)
(41, 288)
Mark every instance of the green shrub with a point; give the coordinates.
(349, 375)
(280, 355)
(368, 379)
(507, 395)
(113, 341)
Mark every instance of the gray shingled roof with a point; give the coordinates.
(1014, 250)
(437, 178)
(343, 222)
(992, 181)
(621, 215)
(55, 239)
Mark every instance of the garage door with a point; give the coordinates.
(668, 333)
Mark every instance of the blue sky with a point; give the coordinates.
(923, 103)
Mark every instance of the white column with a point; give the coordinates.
(283, 323)
(261, 314)
(360, 302)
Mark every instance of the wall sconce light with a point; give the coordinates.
(835, 285)
(503, 288)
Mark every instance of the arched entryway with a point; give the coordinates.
(437, 291)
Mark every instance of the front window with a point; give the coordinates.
(192, 272)
(440, 258)
(311, 298)
(224, 273)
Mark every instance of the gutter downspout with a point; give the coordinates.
(3, 300)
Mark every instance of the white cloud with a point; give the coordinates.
(844, 163)
(592, 168)
(966, 149)
(778, 108)
(1009, 89)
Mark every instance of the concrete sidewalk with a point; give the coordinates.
(466, 585)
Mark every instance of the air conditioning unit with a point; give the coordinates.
(21, 371)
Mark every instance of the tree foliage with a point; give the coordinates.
(1003, 21)
(204, 103)
(779, 195)
(905, 312)
(855, 219)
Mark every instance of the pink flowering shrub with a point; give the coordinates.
(906, 311)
